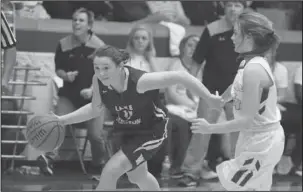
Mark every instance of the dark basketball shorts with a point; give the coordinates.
(140, 148)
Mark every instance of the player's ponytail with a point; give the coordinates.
(259, 27)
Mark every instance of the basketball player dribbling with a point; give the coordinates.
(261, 139)
(132, 97)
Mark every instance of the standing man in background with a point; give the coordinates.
(8, 43)
(217, 50)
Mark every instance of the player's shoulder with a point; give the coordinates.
(258, 59)
(257, 67)
(217, 27)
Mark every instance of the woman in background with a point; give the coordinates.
(181, 103)
(141, 47)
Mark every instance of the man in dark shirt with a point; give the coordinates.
(216, 49)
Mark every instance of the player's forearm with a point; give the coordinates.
(85, 113)
(180, 99)
(194, 85)
(231, 126)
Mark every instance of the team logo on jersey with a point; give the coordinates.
(125, 114)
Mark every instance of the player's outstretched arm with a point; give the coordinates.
(160, 80)
(87, 112)
(255, 77)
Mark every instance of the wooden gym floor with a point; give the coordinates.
(70, 181)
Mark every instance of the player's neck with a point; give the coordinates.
(119, 86)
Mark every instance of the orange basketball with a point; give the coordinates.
(45, 133)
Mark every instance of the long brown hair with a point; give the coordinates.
(260, 28)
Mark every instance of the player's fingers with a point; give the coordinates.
(217, 93)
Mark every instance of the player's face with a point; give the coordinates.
(242, 43)
(140, 40)
(80, 24)
(190, 46)
(106, 70)
(233, 10)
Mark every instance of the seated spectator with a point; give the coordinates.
(76, 69)
(32, 10)
(141, 47)
(201, 12)
(170, 11)
(181, 103)
(129, 11)
(292, 124)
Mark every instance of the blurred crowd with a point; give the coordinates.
(71, 60)
(182, 12)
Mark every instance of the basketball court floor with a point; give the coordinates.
(67, 181)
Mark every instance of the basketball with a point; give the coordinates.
(45, 133)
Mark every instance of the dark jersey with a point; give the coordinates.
(130, 109)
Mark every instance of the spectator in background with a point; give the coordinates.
(141, 47)
(181, 103)
(217, 50)
(75, 67)
(129, 11)
(281, 80)
(292, 124)
(170, 11)
(201, 12)
(32, 10)
(64, 9)
(297, 155)
(8, 43)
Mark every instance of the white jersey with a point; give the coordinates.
(268, 113)
(259, 147)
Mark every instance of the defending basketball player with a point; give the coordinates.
(132, 96)
(261, 140)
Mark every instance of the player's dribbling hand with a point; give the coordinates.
(71, 76)
(200, 126)
(86, 93)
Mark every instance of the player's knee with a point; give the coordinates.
(117, 165)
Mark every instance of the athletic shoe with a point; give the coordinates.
(45, 165)
(176, 174)
(207, 172)
(187, 181)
